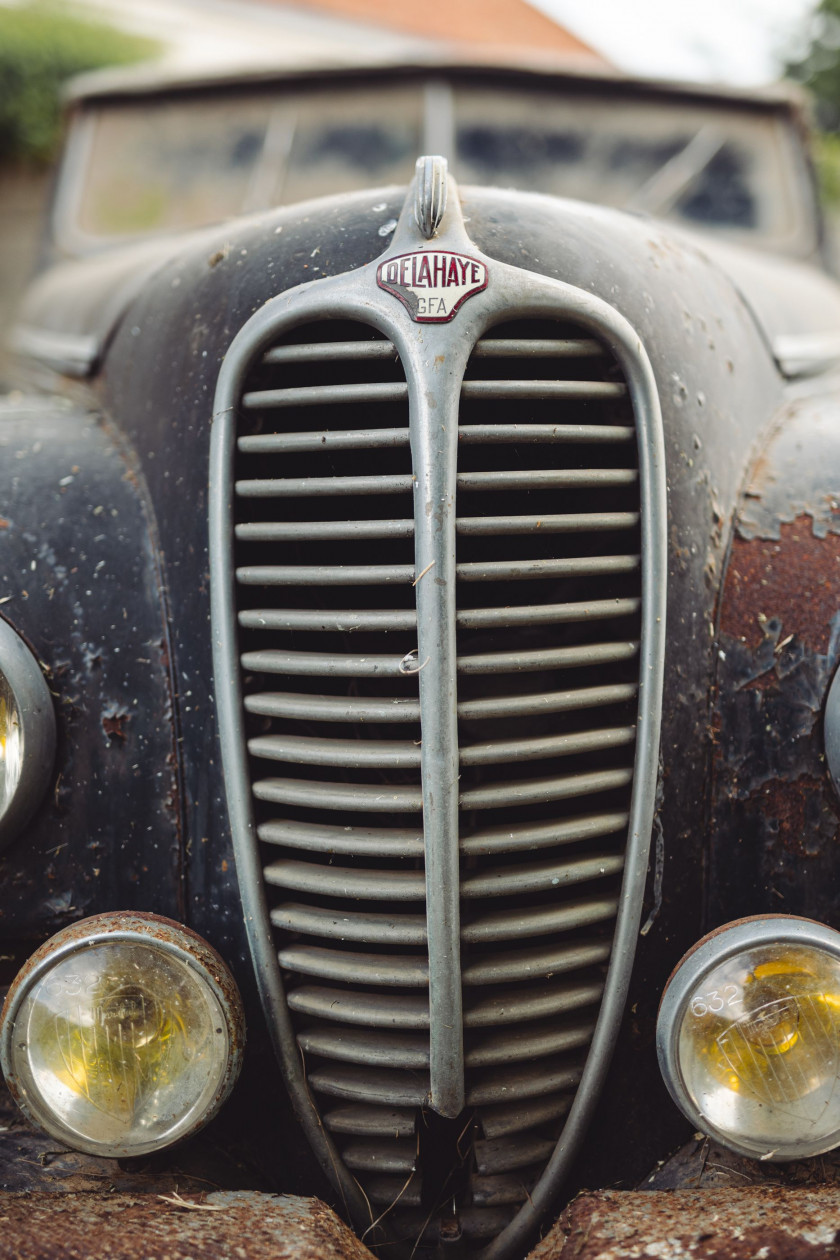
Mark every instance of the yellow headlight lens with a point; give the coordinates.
(122, 1041)
(749, 1037)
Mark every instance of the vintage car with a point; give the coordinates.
(421, 591)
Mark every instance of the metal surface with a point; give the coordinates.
(774, 809)
(785, 1223)
(194, 1225)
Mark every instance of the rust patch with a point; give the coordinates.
(114, 723)
(766, 1221)
(793, 581)
(774, 822)
(238, 1226)
(794, 807)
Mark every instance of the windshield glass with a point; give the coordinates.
(185, 161)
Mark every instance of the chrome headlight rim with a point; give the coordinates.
(710, 952)
(35, 711)
(126, 928)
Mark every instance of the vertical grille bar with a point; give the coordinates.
(434, 439)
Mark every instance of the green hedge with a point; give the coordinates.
(41, 45)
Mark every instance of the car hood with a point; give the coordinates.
(72, 310)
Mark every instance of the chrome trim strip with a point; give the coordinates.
(806, 354)
(73, 355)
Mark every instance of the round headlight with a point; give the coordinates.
(27, 733)
(122, 1034)
(749, 1037)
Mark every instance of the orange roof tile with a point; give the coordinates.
(513, 24)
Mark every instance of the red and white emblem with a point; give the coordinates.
(432, 284)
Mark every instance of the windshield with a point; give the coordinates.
(185, 161)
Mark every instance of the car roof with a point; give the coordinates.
(158, 78)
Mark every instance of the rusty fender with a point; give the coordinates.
(724, 1224)
(224, 1225)
(775, 822)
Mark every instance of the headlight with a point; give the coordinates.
(749, 1037)
(27, 733)
(122, 1034)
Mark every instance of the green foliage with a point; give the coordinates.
(41, 45)
(827, 161)
(818, 67)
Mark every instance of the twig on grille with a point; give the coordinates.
(423, 572)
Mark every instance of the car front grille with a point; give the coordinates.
(547, 632)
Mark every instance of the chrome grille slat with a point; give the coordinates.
(387, 1191)
(532, 791)
(546, 614)
(372, 928)
(535, 926)
(371, 1121)
(395, 1157)
(538, 961)
(539, 347)
(327, 531)
(324, 838)
(323, 439)
(505, 1154)
(381, 754)
(309, 751)
(516, 750)
(581, 699)
(348, 1044)
(326, 620)
(363, 797)
(289, 704)
(510, 347)
(539, 876)
(467, 619)
(527, 479)
(390, 575)
(558, 523)
(507, 1119)
(318, 487)
(326, 395)
(515, 837)
(381, 392)
(374, 1010)
(549, 479)
(342, 965)
(491, 1085)
(334, 352)
(410, 929)
(322, 663)
(510, 925)
(378, 1010)
(523, 570)
(373, 439)
(325, 575)
(373, 885)
(337, 881)
(548, 658)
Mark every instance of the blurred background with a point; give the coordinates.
(43, 42)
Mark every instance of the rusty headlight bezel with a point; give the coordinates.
(30, 713)
(688, 985)
(176, 946)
